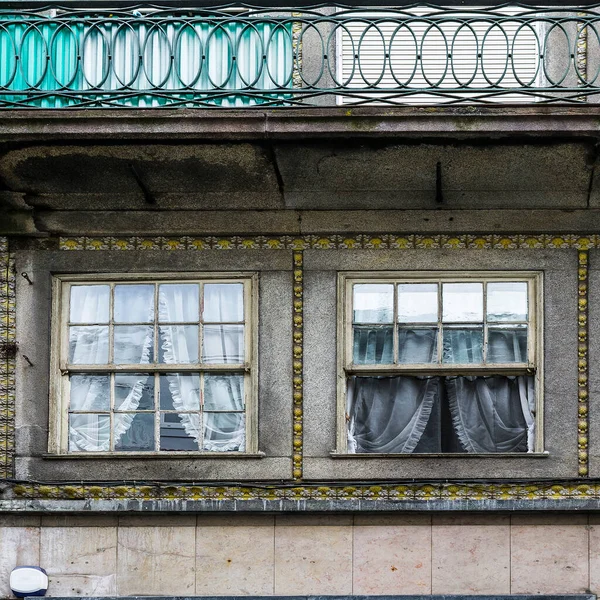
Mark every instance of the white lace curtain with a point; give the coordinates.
(487, 413)
(178, 345)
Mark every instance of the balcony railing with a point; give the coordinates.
(240, 56)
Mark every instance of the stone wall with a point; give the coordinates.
(289, 554)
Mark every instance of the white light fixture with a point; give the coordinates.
(28, 581)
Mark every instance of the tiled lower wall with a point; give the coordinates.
(293, 554)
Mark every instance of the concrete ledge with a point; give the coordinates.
(294, 506)
(403, 597)
(467, 122)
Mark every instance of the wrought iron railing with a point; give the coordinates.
(240, 56)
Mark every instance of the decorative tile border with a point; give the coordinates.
(7, 360)
(298, 350)
(409, 492)
(332, 242)
(582, 365)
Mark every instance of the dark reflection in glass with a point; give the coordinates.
(134, 432)
(179, 431)
(373, 345)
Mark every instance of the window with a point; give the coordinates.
(439, 363)
(422, 52)
(155, 365)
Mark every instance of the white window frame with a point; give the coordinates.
(346, 368)
(60, 369)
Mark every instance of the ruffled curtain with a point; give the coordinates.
(179, 346)
(92, 433)
(390, 414)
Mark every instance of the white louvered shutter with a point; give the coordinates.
(414, 56)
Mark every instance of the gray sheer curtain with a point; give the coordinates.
(390, 414)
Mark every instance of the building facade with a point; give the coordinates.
(282, 317)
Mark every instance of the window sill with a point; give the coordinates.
(152, 455)
(544, 454)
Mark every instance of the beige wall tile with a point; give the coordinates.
(549, 554)
(313, 555)
(79, 560)
(594, 533)
(392, 555)
(19, 546)
(156, 561)
(235, 555)
(471, 558)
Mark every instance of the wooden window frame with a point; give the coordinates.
(345, 367)
(60, 369)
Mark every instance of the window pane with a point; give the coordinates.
(417, 346)
(462, 345)
(89, 433)
(224, 432)
(179, 391)
(90, 392)
(133, 344)
(178, 302)
(373, 345)
(223, 392)
(179, 432)
(134, 304)
(373, 303)
(223, 344)
(417, 303)
(134, 432)
(507, 301)
(507, 344)
(223, 302)
(88, 345)
(134, 391)
(178, 344)
(89, 303)
(462, 302)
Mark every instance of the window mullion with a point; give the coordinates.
(157, 413)
(396, 350)
(112, 412)
(485, 324)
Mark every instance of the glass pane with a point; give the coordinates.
(462, 302)
(179, 432)
(224, 432)
(134, 391)
(178, 302)
(417, 346)
(134, 432)
(133, 344)
(373, 345)
(223, 344)
(178, 344)
(89, 303)
(418, 303)
(507, 344)
(134, 303)
(89, 433)
(223, 302)
(88, 345)
(179, 391)
(507, 301)
(463, 345)
(223, 392)
(90, 392)
(373, 303)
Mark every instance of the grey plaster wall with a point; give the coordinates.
(275, 339)
(560, 373)
(275, 393)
